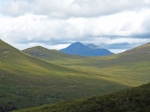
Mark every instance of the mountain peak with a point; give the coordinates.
(39, 47)
(77, 44)
(80, 49)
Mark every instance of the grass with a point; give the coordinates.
(128, 100)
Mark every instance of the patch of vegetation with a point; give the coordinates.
(129, 100)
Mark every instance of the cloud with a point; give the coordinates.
(57, 23)
(30, 28)
(71, 8)
(146, 26)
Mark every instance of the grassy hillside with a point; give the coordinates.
(26, 81)
(130, 68)
(129, 100)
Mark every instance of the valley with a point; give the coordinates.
(38, 76)
(131, 66)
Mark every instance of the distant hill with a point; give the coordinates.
(47, 54)
(82, 50)
(129, 100)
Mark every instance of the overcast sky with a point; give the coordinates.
(117, 25)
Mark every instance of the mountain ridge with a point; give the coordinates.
(26, 81)
(78, 48)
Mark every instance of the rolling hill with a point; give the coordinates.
(47, 54)
(82, 50)
(131, 69)
(129, 100)
(26, 81)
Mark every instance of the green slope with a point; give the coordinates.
(26, 81)
(130, 68)
(129, 100)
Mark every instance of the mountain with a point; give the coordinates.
(129, 100)
(26, 81)
(82, 50)
(129, 69)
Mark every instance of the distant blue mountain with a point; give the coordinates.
(82, 50)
